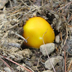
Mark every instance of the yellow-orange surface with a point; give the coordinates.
(37, 30)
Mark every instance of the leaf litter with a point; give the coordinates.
(13, 16)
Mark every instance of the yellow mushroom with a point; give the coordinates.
(38, 30)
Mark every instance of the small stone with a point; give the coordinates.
(48, 71)
(28, 63)
(54, 61)
(21, 69)
(7, 69)
(47, 48)
(57, 39)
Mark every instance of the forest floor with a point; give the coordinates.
(14, 56)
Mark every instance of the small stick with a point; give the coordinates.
(48, 54)
(24, 3)
(11, 4)
(65, 60)
(6, 64)
(70, 65)
(61, 35)
(21, 37)
(16, 63)
(68, 4)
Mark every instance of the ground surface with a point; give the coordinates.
(14, 56)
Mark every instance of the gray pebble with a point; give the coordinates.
(47, 48)
(53, 61)
(7, 69)
(57, 39)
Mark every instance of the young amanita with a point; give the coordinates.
(38, 30)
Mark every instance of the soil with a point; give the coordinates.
(14, 55)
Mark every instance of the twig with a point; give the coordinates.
(24, 3)
(16, 11)
(10, 3)
(70, 65)
(29, 68)
(61, 35)
(6, 64)
(70, 19)
(30, 2)
(21, 37)
(66, 31)
(42, 3)
(48, 54)
(49, 60)
(68, 4)
(16, 63)
(13, 26)
(65, 60)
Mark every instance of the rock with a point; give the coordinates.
(7, 69)
(2, 3)
(57, 39)
(28, 63)
(48, 71)
(47, 48)
(54, 61)
(20, 68)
